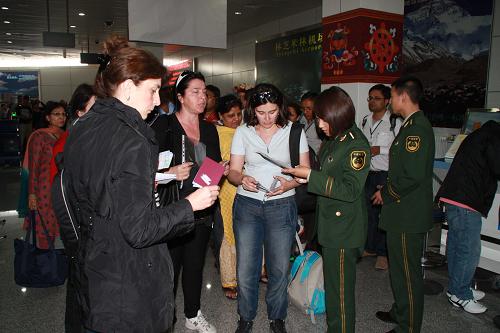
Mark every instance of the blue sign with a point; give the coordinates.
(19, 83)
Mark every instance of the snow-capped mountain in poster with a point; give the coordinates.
(444, 28)
(446, 45)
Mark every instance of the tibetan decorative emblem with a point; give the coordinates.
(362, 45)
(358, 160)
(412, 143)
(382, 51)
(339, 54)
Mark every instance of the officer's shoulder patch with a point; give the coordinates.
(358, 159)
(408, 123)
(412, 143)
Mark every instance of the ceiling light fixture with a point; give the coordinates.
(6, 22)
(72, 26)
(8, 34)
(238, 13)
(81, 14)
(5, 8)
(9, 42)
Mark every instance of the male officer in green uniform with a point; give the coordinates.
(341, 208)
(407, 205)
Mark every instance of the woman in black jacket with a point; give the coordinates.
(190, 139)
(125, 282)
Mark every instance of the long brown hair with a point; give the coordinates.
(123, 62)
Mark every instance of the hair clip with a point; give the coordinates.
(104, 60)
(263, 97)
(182, 76)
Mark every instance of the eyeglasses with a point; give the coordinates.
(371, 98)
(58, 114)
(263, 97)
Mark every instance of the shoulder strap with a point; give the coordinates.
(294, 144)
(363, 122)
(50, 240)
(392, 121)
(66, 213)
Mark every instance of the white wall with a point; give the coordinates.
(493, 93)
(236, 64)
(332, 7)
(58, 83)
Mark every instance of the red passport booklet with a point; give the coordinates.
(210, 173)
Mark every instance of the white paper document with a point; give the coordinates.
(164, 159)
(273, 161)
(164, 178)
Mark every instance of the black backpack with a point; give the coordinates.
(306, 202)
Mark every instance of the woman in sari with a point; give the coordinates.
(37, 161)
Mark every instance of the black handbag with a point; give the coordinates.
(38, 268)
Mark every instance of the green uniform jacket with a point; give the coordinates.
(341, 208)
(408, 193)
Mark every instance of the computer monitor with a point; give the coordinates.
(476, 117)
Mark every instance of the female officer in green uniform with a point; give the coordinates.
(341, 209)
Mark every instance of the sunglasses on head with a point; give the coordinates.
(263, 97)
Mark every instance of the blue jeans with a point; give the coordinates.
(270, 224)
(463, 249)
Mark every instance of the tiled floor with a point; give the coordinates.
(42, 310)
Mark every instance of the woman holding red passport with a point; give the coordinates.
(190, 139)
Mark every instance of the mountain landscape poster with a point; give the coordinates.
(446, 44)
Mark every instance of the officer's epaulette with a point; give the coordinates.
(349, 136)
(408, 123)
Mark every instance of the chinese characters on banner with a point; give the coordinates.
(304, 43)
(362, 45)
(291, 62)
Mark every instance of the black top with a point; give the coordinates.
(473, 175)
(169, 133)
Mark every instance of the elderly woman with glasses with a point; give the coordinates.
(264, 210)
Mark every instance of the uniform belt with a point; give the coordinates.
(371, 171)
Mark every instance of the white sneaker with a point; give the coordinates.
(477, 294)
(469, 305)
(200, 324)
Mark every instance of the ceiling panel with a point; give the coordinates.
(105, 17)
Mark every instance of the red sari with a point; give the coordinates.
(37, 158)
